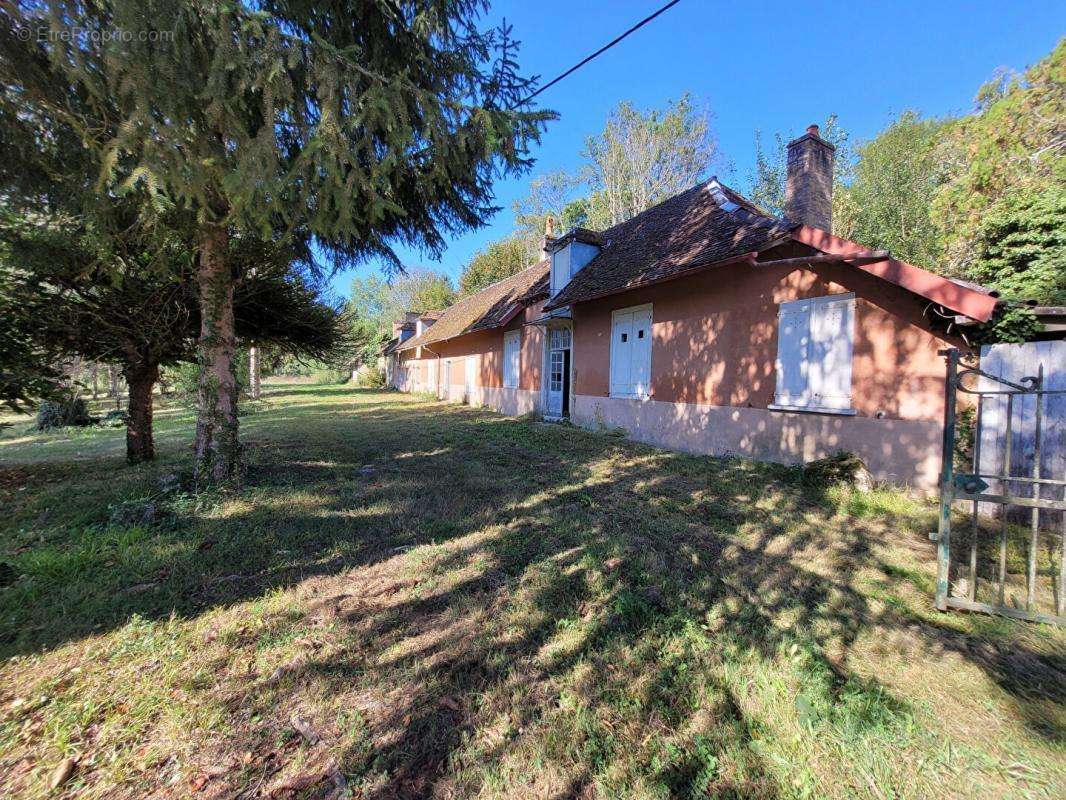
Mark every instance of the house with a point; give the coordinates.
(703, 324)
(413, 324)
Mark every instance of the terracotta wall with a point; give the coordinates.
(714, 339)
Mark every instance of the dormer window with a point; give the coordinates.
(570, 253)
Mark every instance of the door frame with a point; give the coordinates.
(545, 384)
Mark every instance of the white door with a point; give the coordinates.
(471, 367)
(558, 371)
(641, 363)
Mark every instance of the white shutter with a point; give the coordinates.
(793, 339)
(814, 349)
(832, 334)
(640, 376)
(512, 343)
(621, 353)
(631, 352)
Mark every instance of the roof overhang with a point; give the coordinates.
(961, 299)
(561, 314)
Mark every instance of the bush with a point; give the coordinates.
(65, 414)
(184, 380)
(115, 419)
(370, 378)
(325, 375)
(840, 468)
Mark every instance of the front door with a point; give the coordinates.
(559, 372)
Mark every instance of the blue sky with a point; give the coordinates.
(775, 66)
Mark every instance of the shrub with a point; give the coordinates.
(115, 419)
(326, 375)
(839, 468)
(370, 378)
(184, 380)
(63, 414)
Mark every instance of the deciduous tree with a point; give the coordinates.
(643, 157)
(896, 178)
(375, 303)
(499, 260)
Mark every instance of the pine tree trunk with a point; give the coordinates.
(140, 378)
(253, 372)
(217, 445)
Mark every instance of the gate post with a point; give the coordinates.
(947, 486)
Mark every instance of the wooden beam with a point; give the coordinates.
(877, 255)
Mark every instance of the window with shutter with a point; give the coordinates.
(631, 352)
(814, 348)
(512, 346)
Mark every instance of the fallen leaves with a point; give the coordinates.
(303, 727)
(62, 773)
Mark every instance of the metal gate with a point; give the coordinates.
(1009, 530)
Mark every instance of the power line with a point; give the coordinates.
(602, 50)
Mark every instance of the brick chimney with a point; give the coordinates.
(549, 237)
(809, 186)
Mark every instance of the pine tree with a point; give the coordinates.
(360, 124)
(144, 314)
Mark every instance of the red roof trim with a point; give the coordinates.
(973, 304)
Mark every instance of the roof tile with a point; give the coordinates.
(489, 308)
(688, 230)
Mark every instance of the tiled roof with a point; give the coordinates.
(706, 224)
(491, 307)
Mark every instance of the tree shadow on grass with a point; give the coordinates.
(574, 590)
(784, 585)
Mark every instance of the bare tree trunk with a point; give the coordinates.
(96, 381)
(217, 444)
(140, 378)
(112, 377)
(253, 372)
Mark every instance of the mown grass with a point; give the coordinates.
(457, 604)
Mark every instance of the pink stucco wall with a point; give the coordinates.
(487, 348)
(714, 345)
(714, 340)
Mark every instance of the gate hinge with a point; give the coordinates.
(970, 484)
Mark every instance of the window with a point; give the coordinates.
(631, 352)
(512, 348)
(814, 344)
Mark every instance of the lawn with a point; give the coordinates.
(411, 599)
